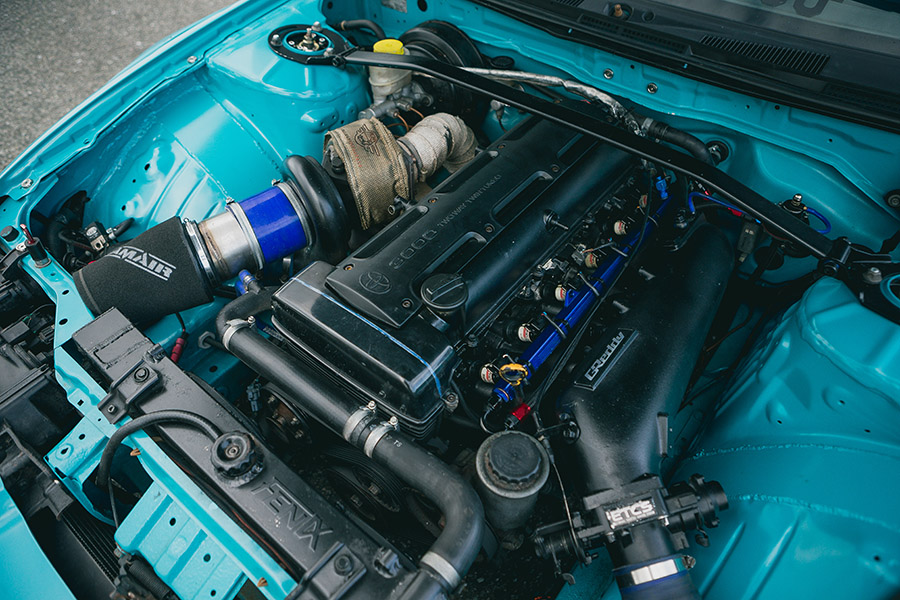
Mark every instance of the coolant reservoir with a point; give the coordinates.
(385, 80)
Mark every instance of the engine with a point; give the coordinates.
(447, 283)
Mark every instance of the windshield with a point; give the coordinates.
(873, 25)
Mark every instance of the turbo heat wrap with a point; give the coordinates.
(375, 167)
(153, 275)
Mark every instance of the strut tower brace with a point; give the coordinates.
(865, 272)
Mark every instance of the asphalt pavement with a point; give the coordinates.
(56, 53)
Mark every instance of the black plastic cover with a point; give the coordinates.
(487, 222)
(640, 365)
(401, 369)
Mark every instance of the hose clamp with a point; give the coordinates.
(381, 430)
(654, 571)
(235, 325)
(297, 204)
(237, 211)
(358, 416)
(193, 233)
(442, 567)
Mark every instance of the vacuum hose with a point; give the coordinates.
(667, 133)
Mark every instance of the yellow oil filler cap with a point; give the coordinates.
(388, 46)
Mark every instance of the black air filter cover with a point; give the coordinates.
(153, 275)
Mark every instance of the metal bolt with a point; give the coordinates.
(276, 39)
(343, 565)
(407, 303)
(317, 26)
(872, 275)
(393, 421)
(652, 87)
(348, 267)
(251, 319)
(371, 405)
(489, 228)
(451, 401)
(27, 183)
(232, 451)
(608, 74)
(141, 374)
(893, 200)
(192, 59)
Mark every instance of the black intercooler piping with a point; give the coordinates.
(451, 555)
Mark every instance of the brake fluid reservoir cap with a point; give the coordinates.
(443, 292)
(514, 458)
(388, 46)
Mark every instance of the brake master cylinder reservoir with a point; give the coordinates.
(385, 80)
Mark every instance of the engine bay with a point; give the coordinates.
(510, 315)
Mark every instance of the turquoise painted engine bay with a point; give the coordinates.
(436, 264)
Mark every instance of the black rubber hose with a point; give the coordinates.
(123, 227)
(148, 578)
(135, 425)
(460, 540)
(55, 245)
(309, 389)
(360, 24)
(682, 139)
(251, 303)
